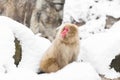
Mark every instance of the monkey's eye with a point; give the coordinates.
(65, 30)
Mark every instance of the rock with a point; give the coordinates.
(110, 21)
(46, 17)
(19, 10)
(42, 16)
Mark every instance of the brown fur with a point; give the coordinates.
(62, 52)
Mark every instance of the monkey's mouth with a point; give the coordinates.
(63, 35)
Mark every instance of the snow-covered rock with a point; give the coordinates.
(76, 10)
(90, 9)
(92, 27)
(33, 46)
(73, 71)
(21, 74)
(7, 49)
(100, 49)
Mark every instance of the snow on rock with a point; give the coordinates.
(21, 74)
(115, 27)
(73, 71)
(34, 52)
(100, 49)
(110, 8)
(92, 27)
(90, 9)
(33, 46)
(76, 10)
(7, 49)
(92, 12)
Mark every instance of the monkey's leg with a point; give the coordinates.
(50, 65)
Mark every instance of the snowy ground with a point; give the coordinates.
(92, 12)
(33, 48)
(100, 49)
(98, 45)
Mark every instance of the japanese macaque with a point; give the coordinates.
(64, 49)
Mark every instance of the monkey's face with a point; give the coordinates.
(69, 32)
(64, 32)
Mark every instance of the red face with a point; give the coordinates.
(64, 32)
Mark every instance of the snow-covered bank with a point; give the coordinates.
(87, 10)
(98, 45)
(73, 71)
(93, 12)
(100, 49)
(7, 49)
(92, 27)
(21, 74)
(33, 46)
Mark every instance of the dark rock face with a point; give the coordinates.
(116, 63)
(18, 51)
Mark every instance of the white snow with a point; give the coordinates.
(73, 71)
(90, 9)
(21, 74)
(33, 46)
(92, 27)
(98, 45)
(92, 12)
(76, 10)
(32, 50)
(100, 49)
(7, 49)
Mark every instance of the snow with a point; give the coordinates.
(20, 74)
(73, 71)
(92, 12)
(7, 49)
(80, 71)
(98, 45)
(33, 46)
(90, 9)
(101, 49)
(92, 27)
(33, 52)
(76, 9)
